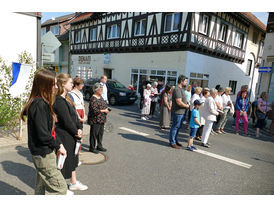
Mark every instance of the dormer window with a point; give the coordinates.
(55, 29)
(172, 22)
(113, 31)
(204, 24)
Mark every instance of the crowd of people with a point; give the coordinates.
(204, 111)
(56, 113)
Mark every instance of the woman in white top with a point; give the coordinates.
(210, 113)
(154, 98)
(227, 108)
(195, 96)
(201, 112)
(147, 102)
(77, 98)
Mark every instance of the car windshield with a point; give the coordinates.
(117, 85)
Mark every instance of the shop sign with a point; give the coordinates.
(84, 59)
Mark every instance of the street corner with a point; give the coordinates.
(88, 158)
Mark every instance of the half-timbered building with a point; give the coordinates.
(210, 48)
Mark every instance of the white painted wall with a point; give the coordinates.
(18, 33)
(122, 63)
(220, 71)
(267, 79)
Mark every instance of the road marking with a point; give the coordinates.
(236, 162)
(133, 131)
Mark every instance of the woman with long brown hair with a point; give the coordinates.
(42, 140)
(68, 128)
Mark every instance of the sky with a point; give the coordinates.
(48, 15)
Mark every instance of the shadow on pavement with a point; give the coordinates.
(7, 189)
(256, 158)
(23, 172)
(144, 124)
(132, 115)
(136, 137)
(24, 152)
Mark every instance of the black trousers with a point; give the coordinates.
(152, 108)
(200, 131)
(96, 134)
(141, 102)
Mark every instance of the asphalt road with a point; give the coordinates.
(145, 165)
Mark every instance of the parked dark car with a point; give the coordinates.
(117, 92)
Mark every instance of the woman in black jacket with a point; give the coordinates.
(68, 128)
(42, 140)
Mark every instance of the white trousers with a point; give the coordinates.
(207, 130)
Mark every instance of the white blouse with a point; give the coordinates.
(77, 99)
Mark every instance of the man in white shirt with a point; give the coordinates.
(105, 89)
(220, 105)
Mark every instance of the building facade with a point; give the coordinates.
(213, 48)
(266, 80)
(21, 32)
(59, 26)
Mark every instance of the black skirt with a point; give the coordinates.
(71, 161)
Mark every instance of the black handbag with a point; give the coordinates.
(260, 115)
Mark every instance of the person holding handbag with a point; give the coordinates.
(262, 109)
(97, 117)
(227, 108)
(69, 129)
(147, 102)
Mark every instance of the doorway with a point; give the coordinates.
(108, 73)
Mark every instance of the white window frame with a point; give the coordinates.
(223, 33)
(233, 91)
(43, 31)
(115, 32)
(203, 29)
(237, 39)
(140, 29)
(91, 35)
(261, 48)
(55, 29)
(249, 66)
(78, 34)
(172, 23)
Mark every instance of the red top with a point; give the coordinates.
(53, 131)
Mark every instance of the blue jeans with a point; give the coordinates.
(176, 125)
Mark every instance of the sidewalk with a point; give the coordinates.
(9, 139)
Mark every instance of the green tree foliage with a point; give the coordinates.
(10, 107)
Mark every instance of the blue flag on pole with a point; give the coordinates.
(20, 78)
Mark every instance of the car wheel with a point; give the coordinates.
(88, 96)
(112, 100)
